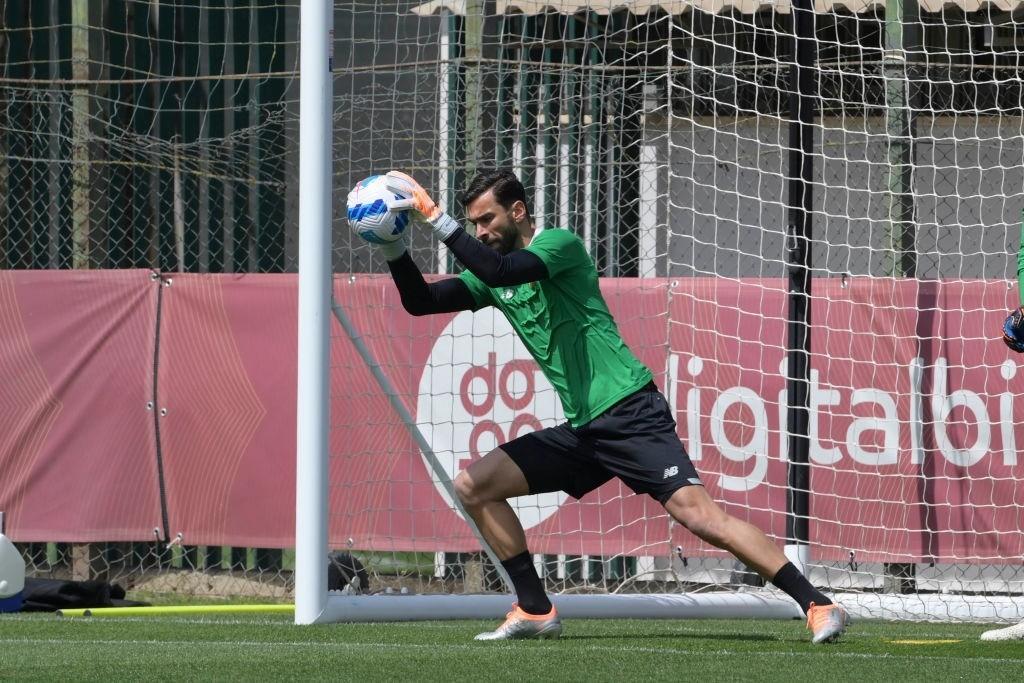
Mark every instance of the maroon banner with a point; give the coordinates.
(77, 453)
(227, 382)
(914, 421)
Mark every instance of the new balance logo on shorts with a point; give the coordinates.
(671, 471)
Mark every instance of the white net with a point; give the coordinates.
(917, 200)
(147, 134)
(138, 134)
(661, 133)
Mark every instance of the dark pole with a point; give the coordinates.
(902, 47)
(800, 174)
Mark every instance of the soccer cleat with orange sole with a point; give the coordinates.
(826, 622)
(521, 625)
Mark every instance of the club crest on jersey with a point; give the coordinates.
(520, 293)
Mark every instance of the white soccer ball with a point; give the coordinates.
(371, 213)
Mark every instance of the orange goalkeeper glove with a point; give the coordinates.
(419, 201)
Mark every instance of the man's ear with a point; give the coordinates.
(519, 211)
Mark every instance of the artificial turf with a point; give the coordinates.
(47, 647)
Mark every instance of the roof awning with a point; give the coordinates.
(712, 6)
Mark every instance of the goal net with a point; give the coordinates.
(164, 136)
(697, 148)
(137, 136)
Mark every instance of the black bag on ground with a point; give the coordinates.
(50, 595)
(344, 569)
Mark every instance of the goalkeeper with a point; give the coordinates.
(619, 424)
(1013, 336)
(1013, 327)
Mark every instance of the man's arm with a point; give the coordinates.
(494, 269)
(419, 298)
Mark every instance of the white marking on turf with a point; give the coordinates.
(216, 621)
(467, 646)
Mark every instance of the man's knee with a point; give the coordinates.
(493, 478)
(711, 528)
(474, 491)
(467, 490)
(702, 517)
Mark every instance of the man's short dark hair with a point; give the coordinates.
(504, 183)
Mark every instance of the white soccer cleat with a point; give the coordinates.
(520, 625)
(826, 622)
(1015, 632)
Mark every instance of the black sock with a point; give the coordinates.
(796, 586)
(529, 589)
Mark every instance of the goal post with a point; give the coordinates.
(715, 171)
(313, 395)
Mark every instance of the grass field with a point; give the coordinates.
(46, 647)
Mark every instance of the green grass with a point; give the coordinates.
(46, 647)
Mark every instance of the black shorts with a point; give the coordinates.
(634, 440)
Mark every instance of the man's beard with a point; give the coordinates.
(505, 244)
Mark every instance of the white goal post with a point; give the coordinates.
(742, 192)
(313, 397)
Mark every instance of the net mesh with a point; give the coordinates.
(164, 136)
(131, 139)
(137, 134)
(663, 139)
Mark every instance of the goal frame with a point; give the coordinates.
(315, 604)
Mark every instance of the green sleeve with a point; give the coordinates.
(1020, 261)
(559, 249)
(481, 292)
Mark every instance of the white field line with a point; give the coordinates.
(85, 622)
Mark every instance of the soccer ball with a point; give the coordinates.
(370, 213)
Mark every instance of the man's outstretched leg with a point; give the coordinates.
(484, 489)
(692, 507)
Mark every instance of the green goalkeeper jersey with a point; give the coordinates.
(565, 324)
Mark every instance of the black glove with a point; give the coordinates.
(1013, 330)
